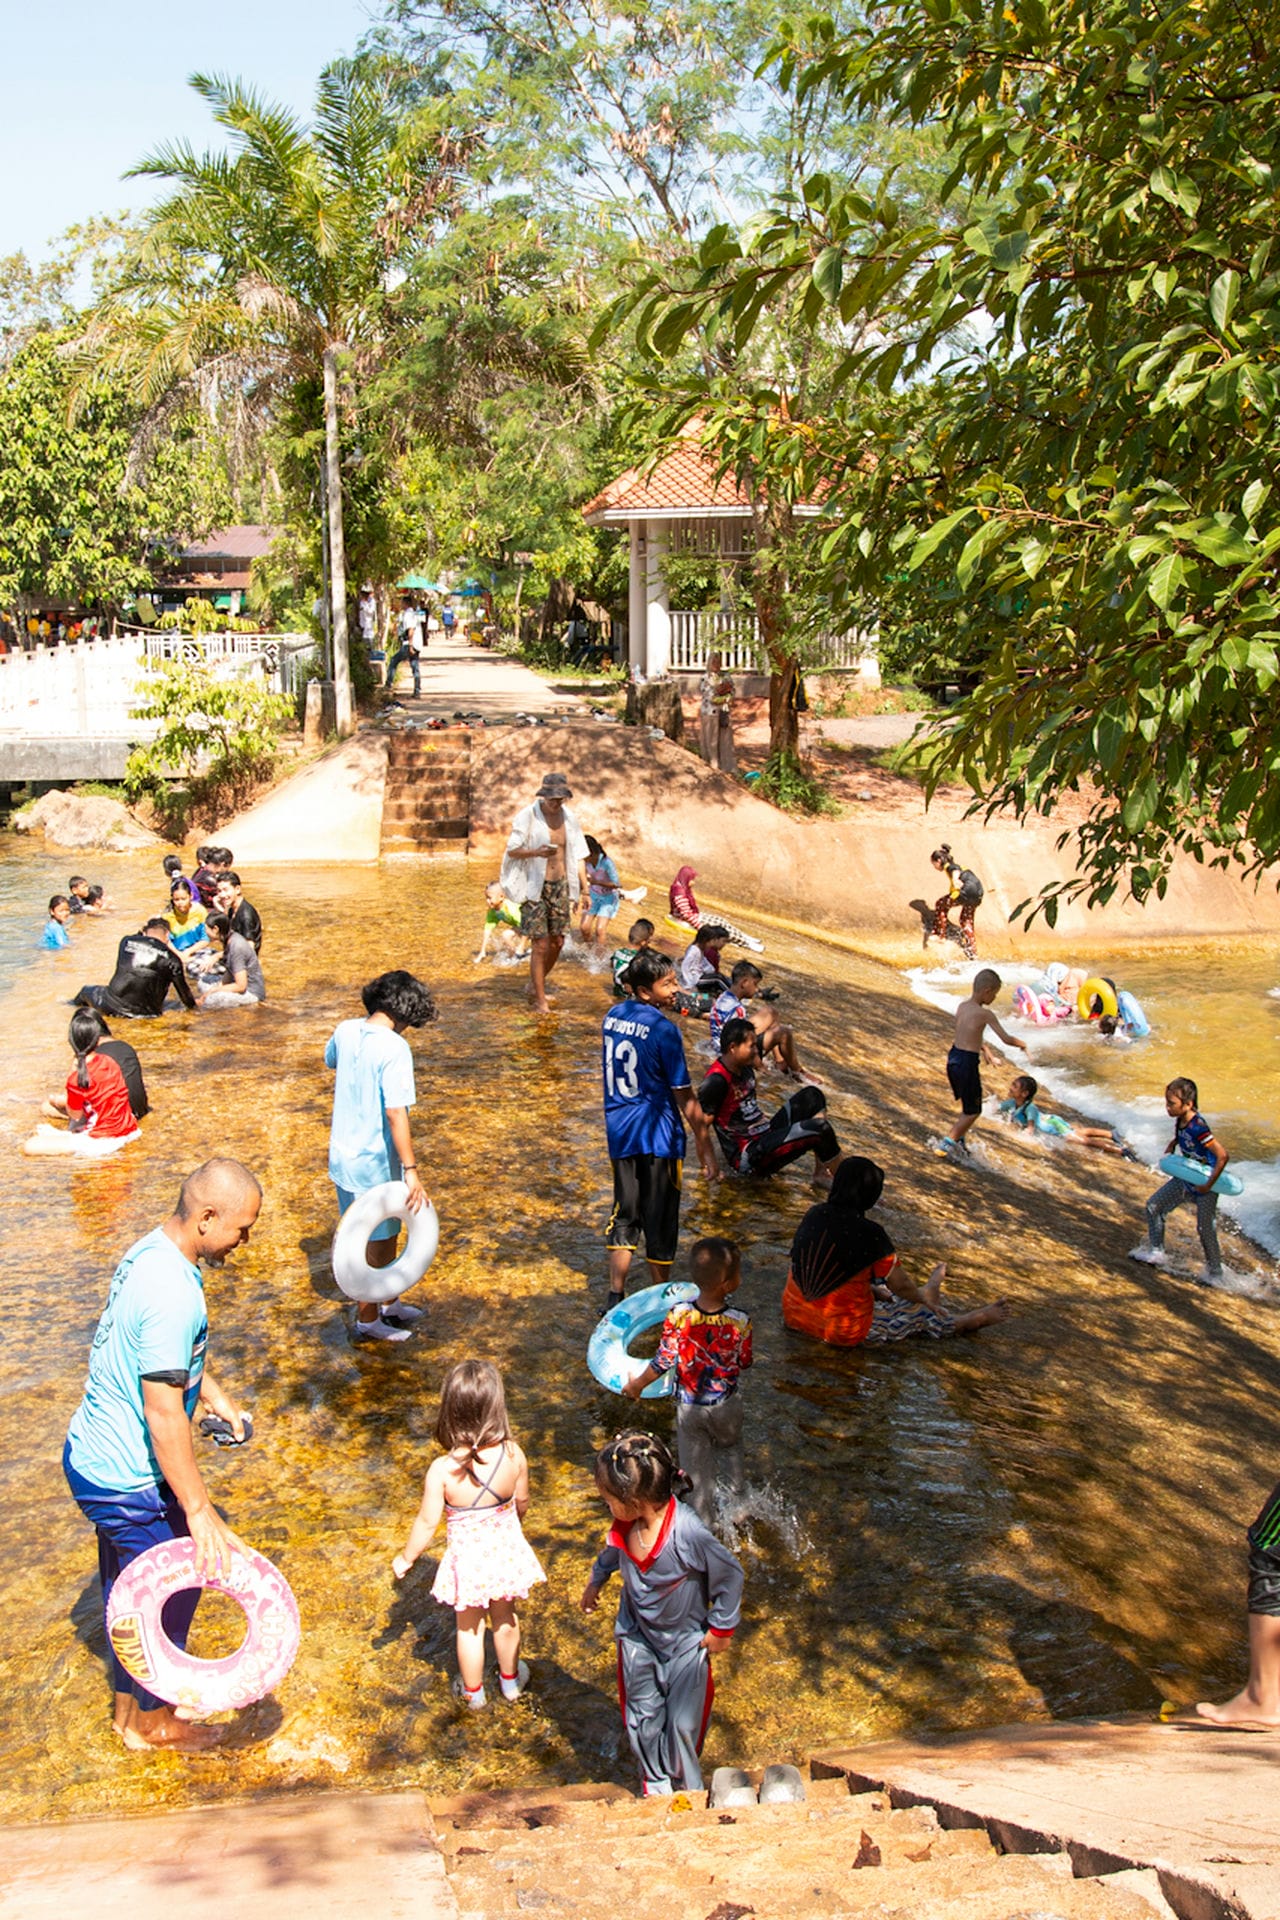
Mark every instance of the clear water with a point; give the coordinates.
(1041, 1521)
(1215, 1019)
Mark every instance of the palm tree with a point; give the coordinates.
(278, 262)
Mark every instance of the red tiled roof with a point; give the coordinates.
(684, 482)
(238, 543)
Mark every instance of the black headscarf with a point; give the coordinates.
(835, 1241)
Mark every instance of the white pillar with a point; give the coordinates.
(657, 610)
(636, 633)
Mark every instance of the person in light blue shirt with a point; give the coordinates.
(55, 935)
(369, 1141)
(129, 1459)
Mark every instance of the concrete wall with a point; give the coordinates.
(658, 806)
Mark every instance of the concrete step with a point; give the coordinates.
(397, 848)
(420, 829)
(424, 806)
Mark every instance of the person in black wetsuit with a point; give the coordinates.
(146, 968)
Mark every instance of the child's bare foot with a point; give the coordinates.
(1245, 1711)
(983, 1317)
(932, 1289)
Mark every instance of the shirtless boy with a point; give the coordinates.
(968, 1050)
(545, 870)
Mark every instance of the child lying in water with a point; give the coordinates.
(1020, 1110)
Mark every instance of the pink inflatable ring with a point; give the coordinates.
(145, 1650)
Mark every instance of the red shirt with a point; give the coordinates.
(105, 1100)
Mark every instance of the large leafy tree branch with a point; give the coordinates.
(1068, 403)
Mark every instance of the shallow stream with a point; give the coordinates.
(1040, 1521)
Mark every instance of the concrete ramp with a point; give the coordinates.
(331, 811)
(326, 1856)
(1196, 1804)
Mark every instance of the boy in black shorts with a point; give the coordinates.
(964, 1062)
(1258, 1702)
(646, 1091)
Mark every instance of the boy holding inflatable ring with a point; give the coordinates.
(369, 1141)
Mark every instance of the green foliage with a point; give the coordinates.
(789, 785)
(1066, 406)
(201, 616)
(79, 523)
(218, 732)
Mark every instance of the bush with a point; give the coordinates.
(219, 734)
(789, 785)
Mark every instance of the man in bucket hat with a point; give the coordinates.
(545, 870)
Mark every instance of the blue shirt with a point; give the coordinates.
(375, 1071)
(1191, 1139)
(643, 1061)
(55, 935)
(154, 1322)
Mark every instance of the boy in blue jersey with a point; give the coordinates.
(646, 1090)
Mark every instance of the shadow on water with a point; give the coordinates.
(1042, 1520)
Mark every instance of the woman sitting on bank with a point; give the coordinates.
(845, 1284)
(238, 982)
(100, 1113)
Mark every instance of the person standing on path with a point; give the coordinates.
(129, 1460)
(410, 629)
(544, 869)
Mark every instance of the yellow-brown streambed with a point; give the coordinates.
(1042, 1520)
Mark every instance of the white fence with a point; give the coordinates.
(88, 689)
(736, 638)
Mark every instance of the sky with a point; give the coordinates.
(92, 85)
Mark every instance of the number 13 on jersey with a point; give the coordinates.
(620, 1077)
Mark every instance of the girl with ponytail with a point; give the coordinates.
(681, 1600)
(97, 1099)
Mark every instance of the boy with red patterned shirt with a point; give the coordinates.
(709, 1345)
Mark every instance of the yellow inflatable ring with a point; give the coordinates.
(1093, 989)
(679, 926)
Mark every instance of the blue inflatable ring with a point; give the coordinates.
(1196, 1174)
(607, 1356)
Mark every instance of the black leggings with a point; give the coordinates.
(799, 1126)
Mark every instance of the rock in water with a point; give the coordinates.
(91, 820)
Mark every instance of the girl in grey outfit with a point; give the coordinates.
(681, 1600)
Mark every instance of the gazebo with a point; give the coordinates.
(680, 506)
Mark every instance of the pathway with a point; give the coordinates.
(459, 677)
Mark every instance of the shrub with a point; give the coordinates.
(220, 734)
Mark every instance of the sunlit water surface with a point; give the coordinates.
(1041, 1521)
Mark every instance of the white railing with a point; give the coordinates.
(735, 637)
(88, 689)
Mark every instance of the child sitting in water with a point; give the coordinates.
(639, 935)
(501, 924)
(55, 935)
(480, 1487)
(97, 1100)
(964, 1062)
(1020, 1109)
(698, 968)
(681, 1600)
(750, 1143)
(1193, 1140)
(776, 1041)
(708, 1342)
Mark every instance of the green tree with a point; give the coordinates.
(219, 731)
(1069, 403)
(78, 520)
(278, 263)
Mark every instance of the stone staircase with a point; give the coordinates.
(599, 1854)
(427, 803)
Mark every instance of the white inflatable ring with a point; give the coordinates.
(607, 1354)
(145, 1650)
(351, 1269)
